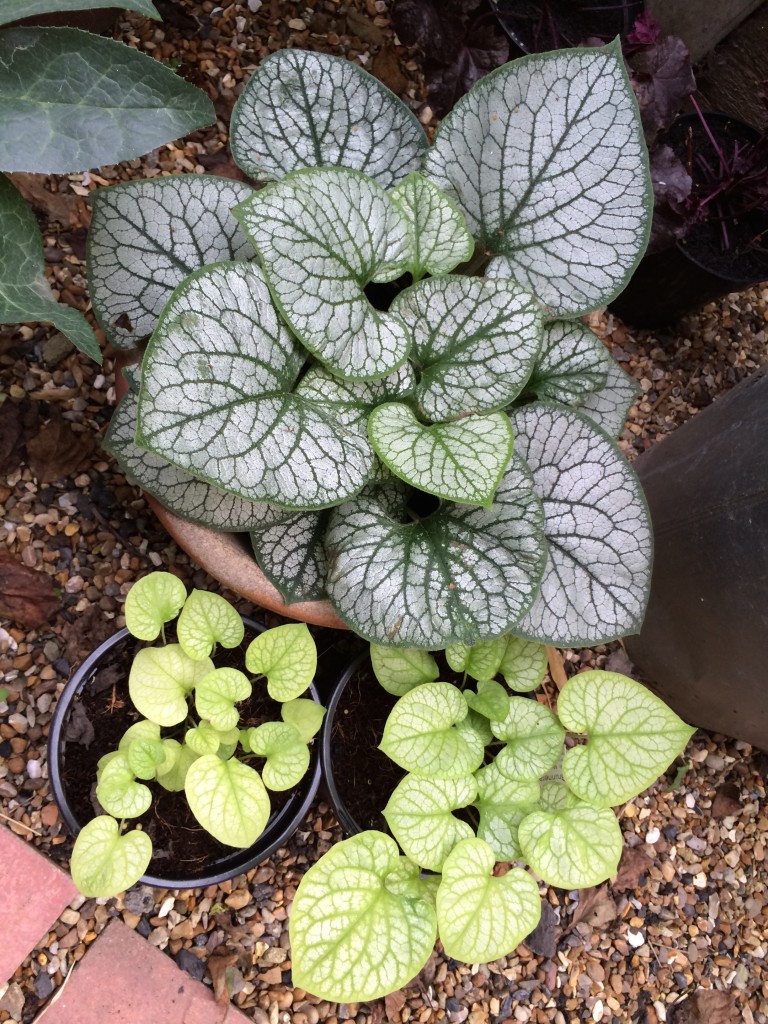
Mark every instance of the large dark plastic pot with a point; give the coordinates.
(574, 21)
(704, 641)
(279, 830)
(343, 814)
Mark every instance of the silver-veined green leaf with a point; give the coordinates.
(596, 581)
(306, 716)
(462, 461)
(104, 862)
(478, 726)
(524, 664)
(160, 680)
(481, 661)
(474, 341)
(143, 729)
(479, 917)
(216, 396)
(573, 848)
(361, 925)
(462, 574)
(572, 363)
(206, 620)
(203, 739)
(152, 601)
(179, 756)
(15, 10)
(502, 804)
(547, 159)
(632, 737)
(286, 752)
(145, 756)
(399, 669)
(554, 794)
(302, 109)
(147, 236)
(322, 236)
(228, 799)
(73, 100)
(287, 656)
(609, 407)
(118, 792)
(217, 693)
(489, 700)
(419, 815)
(421, 737)
(533, 738)
(437, 231)
(289, 549)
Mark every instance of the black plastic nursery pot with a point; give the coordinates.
(98, 692)
(698, 269)
(534, 26)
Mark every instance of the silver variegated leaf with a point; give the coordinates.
(216, 392)
(291, 555)
(547, 159)
(474, 342)
(609, 407)
(304, 109)
(437, 231)
(596, 581)
(572, 363)
(461, 461)
(459, 575)
(147, 236)
(352, 401)
(322, 236)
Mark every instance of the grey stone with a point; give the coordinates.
(54, 349)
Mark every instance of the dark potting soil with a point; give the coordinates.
(96, 722)
(555, 24)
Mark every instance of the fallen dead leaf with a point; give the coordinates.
(84, 635)
(544, 938)
(393, 1004)
(556, 663)
(57, 451)
(633, 869)
(59, 206)
(221, 967)
(220, 165)
(706, 1006)
(618, 661)
(26, 595)
(386, 67)
(727, 801)
(18, 422)
(596, 908)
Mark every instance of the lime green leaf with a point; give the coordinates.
(358, 930)
(151, 602)
(105, 863)
(286, 752)
(481, 661)
(228, 799)
(572, 848)
(306, 716)
(141, 730)
(399, 669)
(503, 804)
(179, 757)
(145, 756)
(287, 656)
(104, 761)
(524, 664)
(533, 737)
(216, 694)
(160, 680)
(481, 918)
(118, 792)
(421, 737)
(490, 700)
(554, 794)
(203, 739)
(477, 727)
(437, 232)
(206, 620)
(419, 815)
(632, 737)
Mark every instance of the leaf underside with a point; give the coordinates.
(15, 10)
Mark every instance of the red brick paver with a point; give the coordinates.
(33, 892)
(124, 980)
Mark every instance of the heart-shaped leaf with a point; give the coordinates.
(32, 8)
(481, 918)
(323, 236)
(419, 815)
(596, 582)
(203, 739)
(287, 656)
(118, 792)
(286, 752)
(462, 574)
(147, 236)
(141, 730)
(228, 799)
(419, 734)
(462, 461)
(259, 441)
(474, 342)
(400, 669)
(533, 738)
(306, 716)
(289, 550)
(572, 848)
(104, 862)
(609, 407)
(572, 363)
(151, 602)
(217, 693)
(502, 805)
(145, 756)
(206, 620)
(524, 664)
(477, 727)
(547, 159)
(481, 661)
(554, 794)
(360, 889)
(302, 109)
(437, 232)
(632, 737)
(160, 680)
(179, 756)
(490, 700)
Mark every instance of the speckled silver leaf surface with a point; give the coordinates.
(572, 363)
(596, 582)
(437, 231)
(302, 109)
(291, 555)
(547, 159)
(147, 236)
(609, 407)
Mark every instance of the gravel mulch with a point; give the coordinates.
(682, 933)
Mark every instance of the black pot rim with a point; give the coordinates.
(277, 832)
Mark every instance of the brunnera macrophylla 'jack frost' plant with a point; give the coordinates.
(491, 776)
(439, 462)
(188, 737)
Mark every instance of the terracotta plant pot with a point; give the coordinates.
(114, 657)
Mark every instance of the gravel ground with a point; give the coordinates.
(680, 936)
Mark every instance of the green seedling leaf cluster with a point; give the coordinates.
(190, 737)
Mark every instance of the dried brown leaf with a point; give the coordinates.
(545, 936)
(393, 1004)
(633, 868)
(556, 663)
(27, 596)
(221, 967)
(707, 1006)
(596, 908)
(727, 801)
(386, 67)
(57, 451)
(18, 422)
(58, 206)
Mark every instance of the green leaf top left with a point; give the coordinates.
(15, 10)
